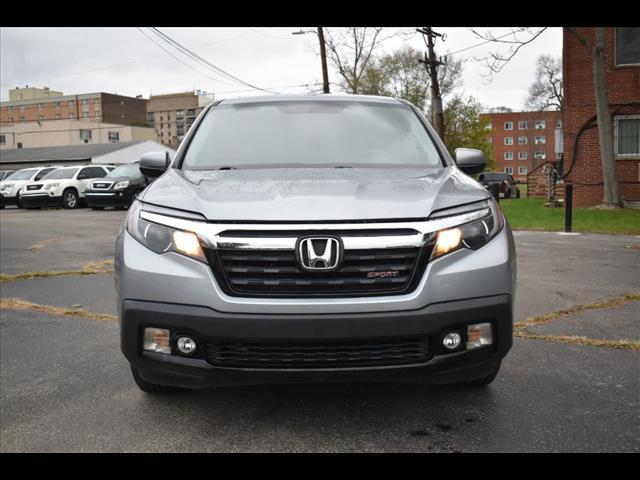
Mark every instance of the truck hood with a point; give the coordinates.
(314, 194)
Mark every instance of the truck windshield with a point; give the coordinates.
(60, 173)
(131, 170)
(311, 134)
(23, 174)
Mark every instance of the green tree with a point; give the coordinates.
(464, 128)
(400, 74)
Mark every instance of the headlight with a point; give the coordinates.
(472, 235)
(51, 186)
(121, 185)
(162, 239)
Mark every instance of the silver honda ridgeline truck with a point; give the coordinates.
(315, 238)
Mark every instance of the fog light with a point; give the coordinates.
(452, 340)
(479, 335)
(156, 340)
(186, 345)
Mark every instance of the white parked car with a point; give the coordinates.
(63, 187)
(11, 189)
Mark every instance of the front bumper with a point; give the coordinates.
(207, 325)
(121, 198)
(4, 201)
(40, 200)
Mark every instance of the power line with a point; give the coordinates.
(480, 44)
(124, 63)
(186, 51)
(176, 58)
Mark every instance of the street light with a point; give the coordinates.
(323, 55)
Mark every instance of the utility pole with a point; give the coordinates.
(323, 56)
(431, 64)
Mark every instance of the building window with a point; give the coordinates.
(522, 155)
(39, 106)
(191, 113)
(23, 119)
(540, 140)
(522, 125)
(508, 140)
(161, 118)
(10, 121)
(96, 112)
(3, 140)
(627, 46)
(85, 114)
(21, 108)
(72, 114)
(85, 135)
(19, 145)
(72, 103)
(10, 108)
(40, 117)
(522, 140)
(541, 124)
(57, 116)
(150, 119)
(57, 105)
(169, 116)
(114, 137)
(85, 101)
(180, 115)
(96, 101)
(540, 155)
(508, 170)
(627, 136)
(508, 155)
(522, 170)
(508, 125)
(489, 126)
(559, 124)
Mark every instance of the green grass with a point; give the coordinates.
(530, 214)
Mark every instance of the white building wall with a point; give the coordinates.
(58, 133)
(132, 153)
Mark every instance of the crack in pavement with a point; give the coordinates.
(90, 268)
(12, 303)
(521, 328)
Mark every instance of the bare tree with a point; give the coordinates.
(545, 93)
(597, 49)
(350, 50)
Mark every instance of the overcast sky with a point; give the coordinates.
(124, 61)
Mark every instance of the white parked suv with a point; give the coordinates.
(11, 188)
(63, 187)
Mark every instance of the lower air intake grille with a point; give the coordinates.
(319, 355)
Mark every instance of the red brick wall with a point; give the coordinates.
(580, 106)
(498, 133)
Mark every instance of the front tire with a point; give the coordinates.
(149, 387)
(70, 199)
(18, 201)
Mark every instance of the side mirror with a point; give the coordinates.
(154, 164)
(470, 160)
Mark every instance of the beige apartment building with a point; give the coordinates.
(56, 133)
(171, 115)
(32, 93)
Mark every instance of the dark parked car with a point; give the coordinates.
(507, 186)
(118, 189)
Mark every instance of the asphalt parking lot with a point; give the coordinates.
(571, 382)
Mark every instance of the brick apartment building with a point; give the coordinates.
(579, 110)
(173, 114)
(35, 106)
(522, 140)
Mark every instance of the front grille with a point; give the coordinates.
(319, 355)
(101, 185)
(34, 187)
(275, 272)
